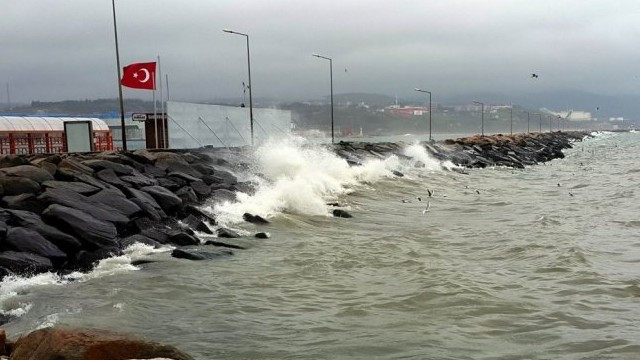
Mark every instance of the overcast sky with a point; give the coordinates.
(64, 49)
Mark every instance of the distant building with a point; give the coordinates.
(408, 110)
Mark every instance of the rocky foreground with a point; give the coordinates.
(65, 212)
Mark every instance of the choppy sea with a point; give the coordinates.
(539, 263)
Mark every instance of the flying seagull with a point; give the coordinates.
(430, 192)
(534, 75)
(426, 210)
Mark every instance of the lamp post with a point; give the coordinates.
(549, 116)
(428, 92)
(122, 124)
(482, 116)
(511, 117)
(540, 122)
(559, 118)
(331, 82)
(528, 118)
(249, 70)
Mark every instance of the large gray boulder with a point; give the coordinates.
(28, 171)
(99, 164)
(109, 176)
(85, 204)
(148, 205)
(92, 232)
(29, 220)
(27, 240)
(116, 200)
(15, 185)
(169, 201)
(75, 166)
(23, 262)
(79, 187)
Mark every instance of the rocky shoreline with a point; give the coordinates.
(64, 212)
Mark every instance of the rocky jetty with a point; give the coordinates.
(477, 151)
(65, 212)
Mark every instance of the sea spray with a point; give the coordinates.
(13, 286)
(299, 178)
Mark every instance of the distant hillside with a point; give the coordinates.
(77, 107)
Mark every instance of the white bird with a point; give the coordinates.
(426, 210)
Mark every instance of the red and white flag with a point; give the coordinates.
(139, 76)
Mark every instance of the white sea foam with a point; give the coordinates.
(419, 153)
(11, 287)
(301, 178)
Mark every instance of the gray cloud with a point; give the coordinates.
(54, 50)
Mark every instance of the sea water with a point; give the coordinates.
(538, 263)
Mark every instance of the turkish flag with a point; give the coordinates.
(139, 76)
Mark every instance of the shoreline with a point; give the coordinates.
(64, 212)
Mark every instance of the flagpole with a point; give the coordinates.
(161, 103)
(155, 110)
(115, 33)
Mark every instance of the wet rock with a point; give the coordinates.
(12, 160)
(140, 262)
(187, 195)
(167, 200)
(14, 185)
(92, 232)
(116, 200)
(27, 202)
(23, 262)
(158, 235)
(170, 184)
(27, 240)
(183, 176)
(93, 181)
(138, 180)
(79, 187)
(220, 195)
(29, 220)
(262, 235)
(227, 177)
(138, 238)
(153, 171)
(86, 260)
(397, 173)
(181, 238)
(74, 165)
(222, 244)
(203, 169)
(193, 254)
(190, 209)
(341, 213)
(98, 164)
(4, 318)
(109, 176)
(227, 233)
(197, 224)
(175, 163)
(28, 171)
(243, 187)
(201, 189)
(254, 219)
(147, 203)
(74, 200)
(76, 344)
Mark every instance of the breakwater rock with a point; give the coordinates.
(65, 212)
(475, 152)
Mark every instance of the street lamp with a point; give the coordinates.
(549, 116)
(428, 92)
(122, 124)
(331, 82)
(250, 87)
(540, 122)
(559, 118)
(527, 120)
(511, 117)
(482, 116)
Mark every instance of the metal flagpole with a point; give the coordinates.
(166, 119)
(162, 134)
(115, 33)
(155, 110)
